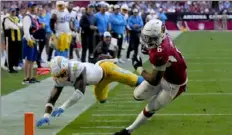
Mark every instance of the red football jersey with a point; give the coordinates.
(169, 59)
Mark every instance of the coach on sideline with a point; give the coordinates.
(30, 26)
(87, 32)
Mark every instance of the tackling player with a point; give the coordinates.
(79, 75)
(168, 78)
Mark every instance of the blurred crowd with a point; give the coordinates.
(94, 28)
(183, 6)
(167, 6)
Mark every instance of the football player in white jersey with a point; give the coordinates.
(60, 25)
(77, 74)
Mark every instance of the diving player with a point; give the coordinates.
(79, 75)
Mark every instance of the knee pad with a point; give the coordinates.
(142, 92)
(138, 95)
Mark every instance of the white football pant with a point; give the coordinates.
(157, 96)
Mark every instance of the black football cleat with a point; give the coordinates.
(122, 132)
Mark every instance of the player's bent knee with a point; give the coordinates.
(137, 99)
(140, 93)
(138, 96)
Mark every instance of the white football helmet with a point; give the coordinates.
(153, 33)
(59, 68)
(60, 3)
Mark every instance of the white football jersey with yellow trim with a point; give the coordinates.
(94, 73)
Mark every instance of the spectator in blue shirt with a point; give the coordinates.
(162, 16)
(102, 21)
(135, 23)
(45, 19)
(118, 27)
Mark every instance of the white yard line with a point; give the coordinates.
(167, 114)
(103, 133)
(209, 63)
(110, 121)
(121, 95)
(208, 58)
(102, 127)
(109, 110)
(209, 70)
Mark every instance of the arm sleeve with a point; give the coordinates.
(130, 23)
(26, 27)
(141, 22)
(123, 21)
(114, 20)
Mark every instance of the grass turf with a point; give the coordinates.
(13, 82)
(208, 56)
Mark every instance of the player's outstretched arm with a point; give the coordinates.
(49, 106)
(79, 86)
(52, 100)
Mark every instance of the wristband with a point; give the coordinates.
(46, 115)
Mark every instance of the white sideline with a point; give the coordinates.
(165, 114)
(109, 121)
(210, 63)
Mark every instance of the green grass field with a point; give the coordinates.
(206, 104)
(13, 82)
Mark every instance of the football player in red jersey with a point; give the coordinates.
(168, 78)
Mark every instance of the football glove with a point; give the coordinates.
(137, 62)
(31, 43)
(42, 121)
(144, 50)
(57, 112)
